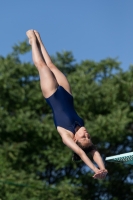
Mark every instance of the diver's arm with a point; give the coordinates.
(98, 159)
(68, 141)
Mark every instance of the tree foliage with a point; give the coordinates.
(34, 163)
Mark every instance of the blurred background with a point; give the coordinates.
(91, 42)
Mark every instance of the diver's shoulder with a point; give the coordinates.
(63, 132)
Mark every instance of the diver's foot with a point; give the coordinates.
(31, 35)
(38, 36)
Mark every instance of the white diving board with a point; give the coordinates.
(126, 158)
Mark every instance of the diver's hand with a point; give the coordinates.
(100, 174)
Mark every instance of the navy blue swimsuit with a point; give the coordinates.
(63, 110)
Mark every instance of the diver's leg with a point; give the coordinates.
(47, 80)
(60, 77)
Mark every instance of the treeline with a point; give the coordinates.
(34, 163)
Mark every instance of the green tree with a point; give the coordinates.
(34, 163)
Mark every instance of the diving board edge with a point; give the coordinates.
(126, 158)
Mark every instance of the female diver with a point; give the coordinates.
(57, 92)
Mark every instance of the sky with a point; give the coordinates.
(90, 29)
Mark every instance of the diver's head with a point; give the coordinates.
(83, 140)
(82, 136)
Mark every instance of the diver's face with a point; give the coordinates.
(82, 136)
